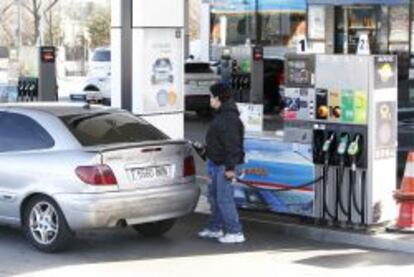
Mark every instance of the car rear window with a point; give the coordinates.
(105, 128)
(102, 56)
(198, 68)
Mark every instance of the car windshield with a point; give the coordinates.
(198, 68)
(102, 56)
(103, 128)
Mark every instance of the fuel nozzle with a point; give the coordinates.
(342, 147)
(354, 150)
(327, 146)
(200, 149)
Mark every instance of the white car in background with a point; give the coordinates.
(97, 87)
(199, 77)
(4, 65)
(100, 63)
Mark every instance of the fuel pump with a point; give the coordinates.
(354, 132)
(27, 89)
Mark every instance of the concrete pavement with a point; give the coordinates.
(268, 252)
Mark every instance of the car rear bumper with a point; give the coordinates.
(89, 211)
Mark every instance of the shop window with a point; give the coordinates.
(232, 29)
(282, 29)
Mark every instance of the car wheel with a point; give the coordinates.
(154, 229)
(45, 226)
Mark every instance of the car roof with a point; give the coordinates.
(58, 109)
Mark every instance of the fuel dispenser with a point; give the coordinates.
(346, 107)
(47, 74)
(44, 88)
(246, 72)
(27, 89)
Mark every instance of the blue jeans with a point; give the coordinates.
(224, 215)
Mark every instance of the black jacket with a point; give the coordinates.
(225, 137)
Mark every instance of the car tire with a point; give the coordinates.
(154, 229)
(51, 233)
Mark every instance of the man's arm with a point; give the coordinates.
(230, 135)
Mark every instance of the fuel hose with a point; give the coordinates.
(340, 173)
(303, 186)
(325, 208)
(359, 208)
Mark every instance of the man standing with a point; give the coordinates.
(225, 152)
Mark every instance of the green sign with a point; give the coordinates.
(361, 107)
(348, 111)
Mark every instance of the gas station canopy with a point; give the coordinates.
(263, 5)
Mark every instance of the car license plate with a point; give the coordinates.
(150, 173)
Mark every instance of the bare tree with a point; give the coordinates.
(6, 34)
(194, 19)
(37, 10)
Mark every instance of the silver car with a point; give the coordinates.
(66, 168)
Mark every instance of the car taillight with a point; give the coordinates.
(97, 175)
(189, 167)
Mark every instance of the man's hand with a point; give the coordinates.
(231, 174)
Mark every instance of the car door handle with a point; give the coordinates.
(7, 197)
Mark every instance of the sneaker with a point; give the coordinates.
(232, 238)
(208, 234)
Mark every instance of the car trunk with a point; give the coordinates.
(145, 165)
(199, 84)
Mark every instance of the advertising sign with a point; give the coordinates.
(334, 104)
(316, 16)
(361, 107)
(292, 103)
(252, 116)
(385, 72)
(386, 136)
(163, 90)
(273, 177)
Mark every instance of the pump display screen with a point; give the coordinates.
(300, 73)
(48, 54)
